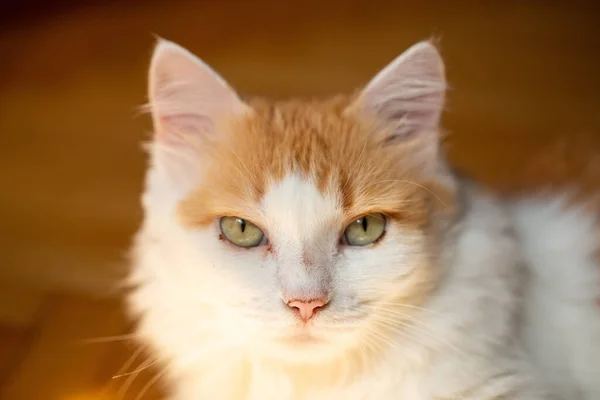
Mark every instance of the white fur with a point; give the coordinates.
(463, 336)
(562, 316)
(208, 310)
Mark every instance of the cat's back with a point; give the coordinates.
(556, 212)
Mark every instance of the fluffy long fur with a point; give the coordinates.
(468, 295)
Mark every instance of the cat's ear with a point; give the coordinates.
(187, 100)
(407, 97)
(186, 96)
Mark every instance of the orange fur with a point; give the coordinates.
(342, 152)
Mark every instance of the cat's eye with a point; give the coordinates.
(240, 232)
(365, 230)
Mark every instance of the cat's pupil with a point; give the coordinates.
(242, 224)
(364, 224)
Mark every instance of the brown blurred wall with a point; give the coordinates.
(73, 73)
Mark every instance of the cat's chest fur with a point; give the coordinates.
(392, 382)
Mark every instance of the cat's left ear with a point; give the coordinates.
(407, 97)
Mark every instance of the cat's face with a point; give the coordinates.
(298, 230)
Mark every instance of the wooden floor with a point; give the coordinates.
(62, 346)
(71, 166)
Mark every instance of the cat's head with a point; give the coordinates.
(298, 229)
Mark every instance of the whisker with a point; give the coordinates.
(373, 346)
(450, 319)
(389, 323)
(150, 383)
(359, 159)
(423, 309)
(129, 381)
(136, 370)
(250, 176)
(130, 361)
(108, 339)
(394, 345)
(419, 308)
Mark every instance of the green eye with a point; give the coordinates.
(365, 230)
(241, 232)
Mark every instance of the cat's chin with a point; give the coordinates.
(302, 351)
(304, 347)
(302, 339)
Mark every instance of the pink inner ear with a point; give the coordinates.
(409, 93)
(173, 128)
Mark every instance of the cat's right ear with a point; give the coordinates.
(186, 96)
(187, 100)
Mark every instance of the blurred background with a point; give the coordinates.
(72, 75)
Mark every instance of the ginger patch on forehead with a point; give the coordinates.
(337, 150)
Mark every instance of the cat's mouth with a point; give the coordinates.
(305, 345)
(303, 337)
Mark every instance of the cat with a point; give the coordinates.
(325, 249)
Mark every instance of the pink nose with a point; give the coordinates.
(306, 309)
